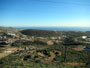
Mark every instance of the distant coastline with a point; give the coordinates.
(58, 28)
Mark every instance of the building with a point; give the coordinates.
(11, 35)
(84, 37)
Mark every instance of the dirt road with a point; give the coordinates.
(7, 52)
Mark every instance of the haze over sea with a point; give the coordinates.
(59, 28)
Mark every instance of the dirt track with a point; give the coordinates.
(7, 52)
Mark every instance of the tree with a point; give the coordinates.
(67, 42)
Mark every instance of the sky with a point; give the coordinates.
(64, 13)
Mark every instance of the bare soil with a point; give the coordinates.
(7, 52)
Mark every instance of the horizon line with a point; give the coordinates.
(48, 26)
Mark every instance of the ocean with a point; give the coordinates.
(58, 28)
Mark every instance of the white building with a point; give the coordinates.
(84, 37)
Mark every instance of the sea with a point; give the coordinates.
(58, 28)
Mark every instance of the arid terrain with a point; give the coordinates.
(44, 49)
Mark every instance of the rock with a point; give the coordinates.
(41, 54)
(50, 43)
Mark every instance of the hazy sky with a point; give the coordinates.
(45, 13)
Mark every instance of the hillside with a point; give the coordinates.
(62, 49)
(42, 33)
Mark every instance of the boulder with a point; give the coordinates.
(50, 42)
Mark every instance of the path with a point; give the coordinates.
(7, 52)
